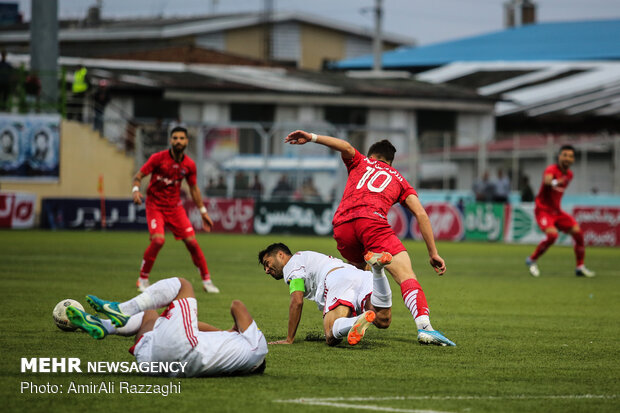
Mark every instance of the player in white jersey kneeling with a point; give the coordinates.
(350, 299)
(176, 335)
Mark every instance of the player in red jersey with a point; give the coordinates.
(168, 168)
(550, 216)
(361, 229)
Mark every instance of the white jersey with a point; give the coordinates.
(175, 337)
(312, 267)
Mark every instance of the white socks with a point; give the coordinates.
(156, 296)
(423, 323)
(381, 293)
(129, 329)
(342, 325)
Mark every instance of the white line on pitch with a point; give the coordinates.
(320, 402)
(507, 397)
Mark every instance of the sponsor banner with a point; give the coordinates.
(523, 228)
(600, 225)
(485, 221)
(446, 220)
(228, 215)
(85, 213)
(293, 217)
(399, 219)
(29, 147)
(17, 210)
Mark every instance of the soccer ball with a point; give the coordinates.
(60, 314)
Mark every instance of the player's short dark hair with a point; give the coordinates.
(273, 249)
(179, 129)
(384, 149)
(261, 368)
(567, 148)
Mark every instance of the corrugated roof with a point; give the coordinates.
(578, 40)
(174, 27)
(545, 88)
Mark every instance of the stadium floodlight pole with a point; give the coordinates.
(376, 42)
(44, 49)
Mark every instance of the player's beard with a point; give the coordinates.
(178, 149)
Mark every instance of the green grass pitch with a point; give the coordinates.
(523, 344)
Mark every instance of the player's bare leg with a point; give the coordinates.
(580, 253)
(415, 300)
(341, 318)
(201, 263)
(148, 259)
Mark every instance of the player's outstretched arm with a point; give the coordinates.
(549, 180)
(207, 222)
(300, 137)
(416, 208)
(294, 316)
(202, 326)
(135, 191)
(241, 316)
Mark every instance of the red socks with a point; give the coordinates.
(414, 298)
(580, 249)
(544, 245)
(149, 256)
(198, 258)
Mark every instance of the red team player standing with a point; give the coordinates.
(361, 229)
(550, 216)
(168, 168)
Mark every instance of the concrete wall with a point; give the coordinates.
(83, 157)
(319, 44)
(249, 41)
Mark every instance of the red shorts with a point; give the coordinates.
(560, 220)
(174, 219)
(355, 238)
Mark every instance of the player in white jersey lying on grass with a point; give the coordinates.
(176, 335)
(350, 299)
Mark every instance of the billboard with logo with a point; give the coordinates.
(446, 220)
(228, 215)
(600, 225)
(17, 209)
(293, 217)
(523, 229)
(86, 213)
(485, 221)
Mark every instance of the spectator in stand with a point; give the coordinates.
(101, 98)
(501, 187)
(283, 189)
(242, 185)
(32, 87)
(527, 193)
(256, 190)
(309, 193)
(6, 82)
(79, 88)
(484, 189)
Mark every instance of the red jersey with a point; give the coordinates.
(372, 188)
(166, 176)
(549, 197)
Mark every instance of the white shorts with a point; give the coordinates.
(347, 286)
(175, 337)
